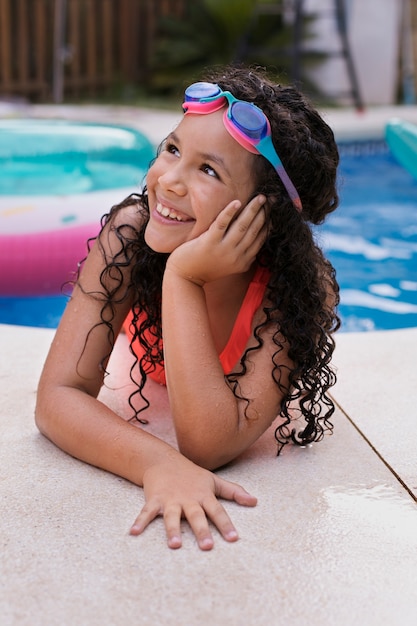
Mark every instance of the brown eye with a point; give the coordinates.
(171, 148)
(210, 171)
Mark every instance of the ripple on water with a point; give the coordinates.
(372, 241)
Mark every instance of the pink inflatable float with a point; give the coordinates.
(57, 178)
(42, 238)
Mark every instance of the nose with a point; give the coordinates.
(173, 180)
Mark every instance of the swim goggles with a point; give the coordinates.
(244, 121)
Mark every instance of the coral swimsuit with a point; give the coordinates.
(241, 331)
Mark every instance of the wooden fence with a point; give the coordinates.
(51, 49)
(56, 49)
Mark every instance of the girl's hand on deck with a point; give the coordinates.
(185, 490)
(229, 246)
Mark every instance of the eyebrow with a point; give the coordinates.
(205, 156)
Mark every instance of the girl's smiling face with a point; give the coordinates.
(199, 171)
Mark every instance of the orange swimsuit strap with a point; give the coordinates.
(240, 334)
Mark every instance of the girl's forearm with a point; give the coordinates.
(204, 409)
(88, 430)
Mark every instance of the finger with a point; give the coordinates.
(226, 216)
(197, 519)
(233, 491)
(246, 245)
(220, 518)
(254, 206)
(255, 226)
(172, 521)
(249, 221)
(145, 517)
(256, 244)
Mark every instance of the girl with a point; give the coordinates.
(226, 299)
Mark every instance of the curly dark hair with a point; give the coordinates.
(302, 292)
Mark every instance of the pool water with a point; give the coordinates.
(42, 311)
(371, 239)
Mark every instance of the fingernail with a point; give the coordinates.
(137, 526)
(206, 544)
(174, 542)
(232, 535)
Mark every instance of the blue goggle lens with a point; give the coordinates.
(197, 91)
(249, 119)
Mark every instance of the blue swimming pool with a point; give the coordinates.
(371, 240)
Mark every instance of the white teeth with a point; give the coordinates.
(163, 210)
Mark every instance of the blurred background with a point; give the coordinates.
(361, 52)
(88, 88)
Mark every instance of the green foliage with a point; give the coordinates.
(231, 18)
(217, 32)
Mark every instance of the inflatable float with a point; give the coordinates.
(401, 138)
(56, 181)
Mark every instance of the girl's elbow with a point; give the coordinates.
(41, 420)
(202, 460)
(208, 457)
(44, 408)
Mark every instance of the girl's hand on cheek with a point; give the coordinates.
(229, 246)
(179, 488)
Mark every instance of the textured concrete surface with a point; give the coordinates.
(385, 364)
(332, 540)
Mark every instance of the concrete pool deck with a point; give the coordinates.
(332, 541)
